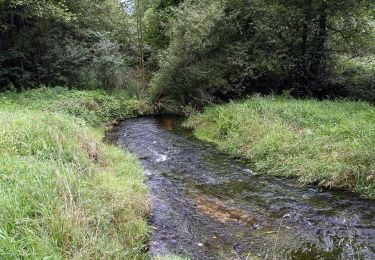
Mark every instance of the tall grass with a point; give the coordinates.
(65, 193)
(331, 143)
(94, 107)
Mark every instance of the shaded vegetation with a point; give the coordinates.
(64, 193)
(191, 52)
(221, 50)
(81, 43)
(330, 143)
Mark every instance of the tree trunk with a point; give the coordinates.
(320, 52)
(305, 33)
(140, 44)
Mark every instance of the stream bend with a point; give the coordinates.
(208, 206)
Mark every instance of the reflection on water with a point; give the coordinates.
(209, 206)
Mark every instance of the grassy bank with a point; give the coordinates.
(65, 193)
(330, 143)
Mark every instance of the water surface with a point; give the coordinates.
(208, 206)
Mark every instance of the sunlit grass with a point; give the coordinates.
(331, 143)
(65, 193)
(94, 107)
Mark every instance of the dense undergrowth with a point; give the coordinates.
(64, 192)
(330, 143)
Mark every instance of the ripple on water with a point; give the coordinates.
(209, 206)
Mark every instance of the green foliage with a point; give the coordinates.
(64, 193)
(77, 43)
(358, 78)
(330, 143)
(226, 48)
(181, 73)
(195, 51)
(155, 21)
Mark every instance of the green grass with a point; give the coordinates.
(330, 143)
(94, 107)
(65, 194)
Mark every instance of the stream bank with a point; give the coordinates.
(208, 206)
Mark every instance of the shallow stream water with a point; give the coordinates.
(207, 205)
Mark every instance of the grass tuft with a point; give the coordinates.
(331, 143)
(65, 193)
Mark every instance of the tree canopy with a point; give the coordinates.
(73, 43)
(230, 47)
(191, 51)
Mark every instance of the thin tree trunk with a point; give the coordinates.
(305, 33)
(140, 44)
(320, 51)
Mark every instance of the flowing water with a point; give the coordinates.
(206, 205)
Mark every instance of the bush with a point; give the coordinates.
(358, 78)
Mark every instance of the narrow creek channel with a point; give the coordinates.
(206, 205)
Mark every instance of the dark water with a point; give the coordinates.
(208, 206)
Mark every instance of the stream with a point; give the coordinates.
(207, 205)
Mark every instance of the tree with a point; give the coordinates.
(61, 42)
(226, 48)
